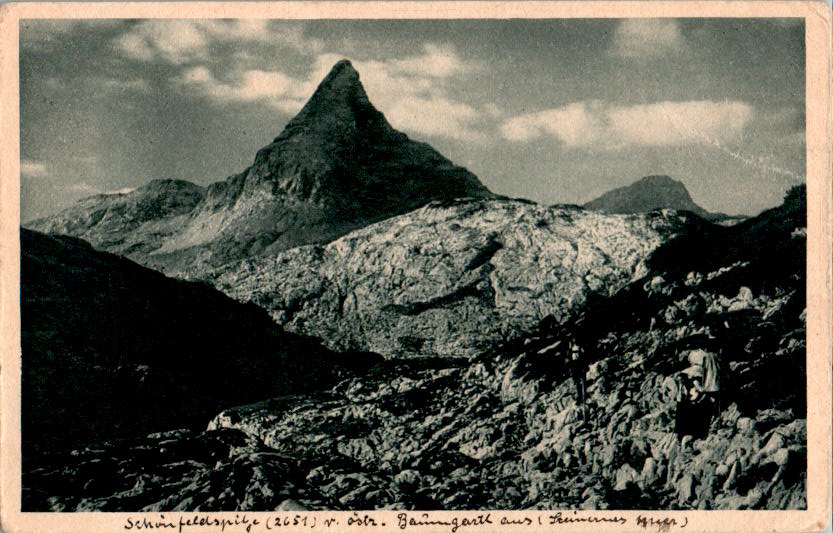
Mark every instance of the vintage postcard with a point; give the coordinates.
(447, 267)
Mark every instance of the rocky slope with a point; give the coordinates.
(111, 349)
(337, 166)
(503, 429)
(450, 279)
(134, 223)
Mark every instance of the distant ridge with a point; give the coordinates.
(132, 223)
(647, 194)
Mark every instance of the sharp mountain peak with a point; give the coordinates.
(341, 86)
(339, 104)
(342, 70)
(338, 165)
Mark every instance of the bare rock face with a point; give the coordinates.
(450, 279)
(337, 166)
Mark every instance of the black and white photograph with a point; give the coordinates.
(414, 265)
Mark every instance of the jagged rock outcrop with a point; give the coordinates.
(450, 279)
(337, 166)
(504, 430)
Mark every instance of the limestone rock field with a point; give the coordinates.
(503, 428)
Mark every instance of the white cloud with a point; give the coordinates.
(437, 116)
(257, 84)
(672, 123)
(436, 60)
(646, 38)
(272, 88)
(410, 91)
(182, 41)
(602, 125)
(176, 41)
(33, 169)
(493, 110)
(573, 124)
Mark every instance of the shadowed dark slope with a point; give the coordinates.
(765, 240)
(112, 349)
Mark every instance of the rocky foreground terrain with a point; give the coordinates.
(451, 279)
(503, 429)
(337, 166)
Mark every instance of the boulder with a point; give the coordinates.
(407, 478)
(291, 505)
(684, 488)
(744, 300)
(649, 474)
(625, 477)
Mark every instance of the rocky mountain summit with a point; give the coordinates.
(647, 194)
(337, 166)
(504, 429)
(450, 279)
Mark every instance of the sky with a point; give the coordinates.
(556, 111)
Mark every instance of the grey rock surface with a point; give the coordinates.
(449, 279)
(505, 429)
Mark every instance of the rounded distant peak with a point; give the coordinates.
(167, 184)
(659, 179)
